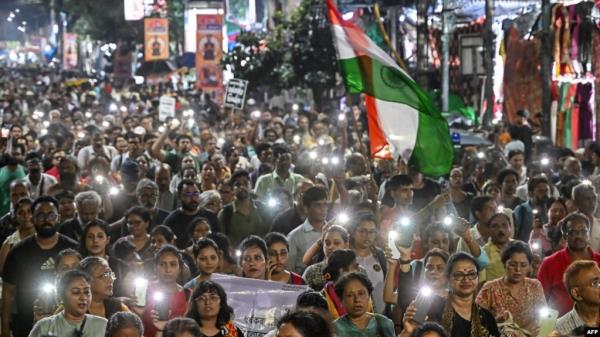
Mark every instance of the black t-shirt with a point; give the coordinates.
(286, 221)
(28, 267)
(180, 223)
(423, 196)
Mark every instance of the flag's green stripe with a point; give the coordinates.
(433, 152)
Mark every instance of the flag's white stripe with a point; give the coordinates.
(399, 122)
(347, 49)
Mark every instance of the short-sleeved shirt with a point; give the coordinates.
(7, 176)
(57, 325)
(241, 225)
(268, 182)
(378, 325)
(495, 267)
(27, 267)
(300, 239)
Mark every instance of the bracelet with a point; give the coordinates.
(404, 261)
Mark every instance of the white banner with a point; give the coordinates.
(235, 95)
(258, 304)
(166, 108)
(134, 9)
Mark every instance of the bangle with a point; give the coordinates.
(404, 261)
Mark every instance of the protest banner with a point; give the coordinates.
(166, 108)
(156, 39)
(258, 304)
(235, 95)
(70, 51)
(209, 53)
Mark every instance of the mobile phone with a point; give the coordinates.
(162, 308)
(458, 226)
(548, 319)
(422, 304)
(405, 233)
(392, 236)
(141, 287)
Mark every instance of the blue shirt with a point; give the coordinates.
(379, 325)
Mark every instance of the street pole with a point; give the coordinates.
(489, 45)
(393, 20)
(546, 68)
(422, 47)
(446, 12)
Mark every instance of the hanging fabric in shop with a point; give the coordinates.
(596, 72)
(586, 119)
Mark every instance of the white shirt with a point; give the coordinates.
(42, 187)
(300, 239)
(595, 235)
(87, 153)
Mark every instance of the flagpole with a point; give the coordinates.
(386, 38)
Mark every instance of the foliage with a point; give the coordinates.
(299, 52)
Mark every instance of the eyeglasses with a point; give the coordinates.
(458, 276)
(208, 299)
(107, 275)
(191, 194)
(46, 216)
(583, 232)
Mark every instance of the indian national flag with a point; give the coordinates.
(402, 119)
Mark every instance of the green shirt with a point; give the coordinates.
(379, 325)
(266, 183)
(57, 325)
(7, 176)
(242, 225)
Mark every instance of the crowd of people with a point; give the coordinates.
(115, 220)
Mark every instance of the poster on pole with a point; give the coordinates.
(156, 39)
(70, 51)
(209, 52)
(235, 95)
(258, 304)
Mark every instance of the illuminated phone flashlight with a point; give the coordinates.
(587, 182)
(139, 130)
(238, 253)
(335, 160)
(325, 161)
(255, 114)
(81, 134)
(161, 129)
(425, 291)
(112, 107)
(114, 190)
(188, 113)
(158, 296)
(480, 155)
(545, 161)
(500, 209)
(105, 124)
(343, 218)
(43, 132)
(405, 221)
(46, 124)
(88, 115)
(272, 202)
(297, 139)
(99, 179)
(393, 235)
(123, 108)
(535, 246)
(312, 155)
(295, 107)
(321, 141)
(535, 212)
(175, 122)
(342, 117)
(544, 312)
(48, 288)
(220, 142)
(447, 221)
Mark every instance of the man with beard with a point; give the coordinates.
(40, 182)
(188, 192)
(575, 229)
(244, 216)
(97, 148)
(533, 212)
(88, 205)
(280, 177)
(585, 198)
(19, 188)
(29, 265)
(69, 177)
(13, 170)
(183, 145)
(147, 196)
